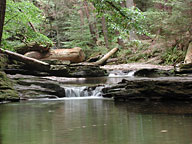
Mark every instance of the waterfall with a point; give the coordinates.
(83, 91)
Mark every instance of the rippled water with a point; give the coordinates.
(95, 121)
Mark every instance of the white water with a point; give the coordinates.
(129, 74)
(83, 91)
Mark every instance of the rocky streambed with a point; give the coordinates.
(125, 82)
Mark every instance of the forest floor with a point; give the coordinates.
(160, 52)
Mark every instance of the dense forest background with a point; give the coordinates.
(152, 31)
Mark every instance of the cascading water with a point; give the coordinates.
(83, 91)
(122, 74)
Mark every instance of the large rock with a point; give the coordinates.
(7, 92)
(167, 88)
(30, 87)
(153, 73)
(60, 70)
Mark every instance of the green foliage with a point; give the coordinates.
(172, 55)
(172, 18)
(119, 18)
(77, 35)
(20, 20)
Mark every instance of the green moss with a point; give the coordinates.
(7, 91)
(3, 61)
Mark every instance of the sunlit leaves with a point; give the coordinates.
(119, 18)
(17, 27)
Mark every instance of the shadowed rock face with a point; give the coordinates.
(61, 70)
(7, 92)
(167, 88)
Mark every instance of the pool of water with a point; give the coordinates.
(95, 121)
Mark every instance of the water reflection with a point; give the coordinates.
(95, 122)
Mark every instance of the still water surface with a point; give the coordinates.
(95, 121)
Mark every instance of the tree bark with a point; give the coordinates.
(188, 57)
(2, 16)
(105, 32)
(129, 3)
(132, 35)
(91, 26)
(73, 55)
(120, 41)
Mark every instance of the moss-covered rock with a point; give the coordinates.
(3, 61)
(7, 92)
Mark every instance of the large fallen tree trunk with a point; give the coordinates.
(73, 55)
(34, 63)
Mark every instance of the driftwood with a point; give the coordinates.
(105, 57)
(39, 65)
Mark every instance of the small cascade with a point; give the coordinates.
(131, 73)
(83, 91)
(121, 74)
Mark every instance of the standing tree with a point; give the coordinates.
(2, 16)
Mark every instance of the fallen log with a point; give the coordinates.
(74, 55)
(36, 64)
(105, 57)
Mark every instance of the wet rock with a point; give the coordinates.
(183, 68)
(7, 92)
(86, 71)
(30, 87)
(3, 61)
(167, 88)
(61, 70)
(153, 73)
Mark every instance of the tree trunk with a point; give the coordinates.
(132, 35)
(91, 26)
(188, 57)
(120, 41)
(105, 32)
(129, 3)
(2, 16)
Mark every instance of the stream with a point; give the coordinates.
(85, 117)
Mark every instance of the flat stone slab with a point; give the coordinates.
(61, 70)
(136, 66)
(162, 88)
